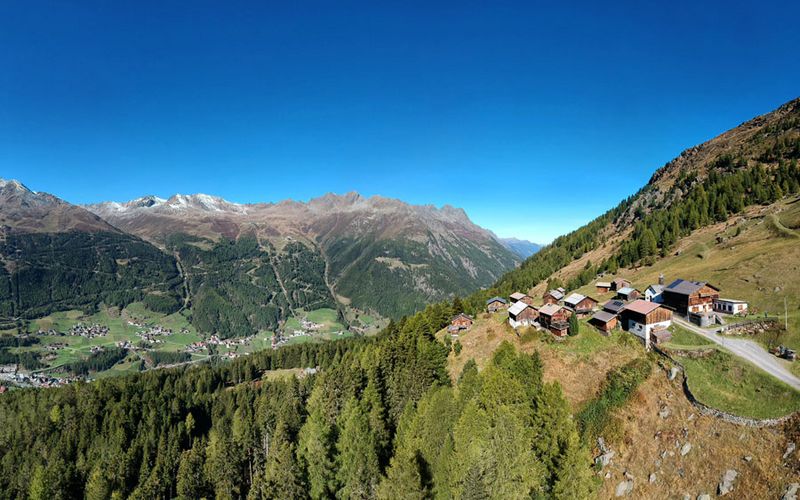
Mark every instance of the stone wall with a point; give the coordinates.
(713, 412)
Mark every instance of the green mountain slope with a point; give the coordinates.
(380, 255)
(753, 164)
(56, 256)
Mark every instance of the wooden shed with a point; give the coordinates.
(604, 321)
(602, 286)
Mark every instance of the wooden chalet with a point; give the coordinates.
(559, 328)
(690, 296)
(552, 297)
(460, 322)
(604, 321)
(495, 304)
(628, 293)
(641, 318)
(521, 297)
(619, 283)
(614, 306)
(581, 305)
(602, 286)
(522, 314)
(553, 313)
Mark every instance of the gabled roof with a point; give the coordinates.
(614, 305)
(642, 306)
(620, 280)
(555, 294)
(496, 299)
(732, 301)
(461, 315)
(656, 288)
(603, 316)
(603, 284)
(517, 308)
(549, 309)
(626, 290)
(518, 296)
(561, 289)
(573, 299)
(686, 287)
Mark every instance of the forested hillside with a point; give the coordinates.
(241, 286)
(56, 256)
(381, 418)
(753, 164)
(378, 255)
(46, 272)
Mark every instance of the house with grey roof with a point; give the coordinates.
(653, 293)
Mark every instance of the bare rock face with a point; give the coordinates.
(624, 488)
(726, 485)
(791, 492)
(685, 449)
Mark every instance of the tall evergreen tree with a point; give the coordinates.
(358, 469)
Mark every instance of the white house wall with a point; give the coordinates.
(643, 331)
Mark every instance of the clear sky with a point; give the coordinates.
(534, 117)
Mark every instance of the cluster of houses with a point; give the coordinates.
(647, 314)
(19, 379)
(90, 331)
(153, 333)
(202, 345)
(552, 315)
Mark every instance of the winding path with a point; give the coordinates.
(749, 351)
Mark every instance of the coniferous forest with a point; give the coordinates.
(380, 418)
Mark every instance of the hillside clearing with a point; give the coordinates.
(579, 363)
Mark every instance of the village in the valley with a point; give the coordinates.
(647, 314)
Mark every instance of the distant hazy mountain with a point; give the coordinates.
(523, 248)
(375, 253)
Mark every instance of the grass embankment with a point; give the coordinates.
(686, 339)
(725, 382)
(728, 383)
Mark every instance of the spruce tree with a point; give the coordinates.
(358, 469)
(574, 325)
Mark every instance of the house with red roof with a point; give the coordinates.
(646, 320)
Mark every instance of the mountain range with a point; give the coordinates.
(491, 414)
(240, 268)
(523, 248)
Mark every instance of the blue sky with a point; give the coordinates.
(534, 117)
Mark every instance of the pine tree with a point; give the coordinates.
(647, 245)
(191, 480)
(403, 478)
(573, 479)
(281, 476)
(358, 469)
(97, 486)
(315, 451)
(574, 325)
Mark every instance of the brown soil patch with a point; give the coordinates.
(716, 446)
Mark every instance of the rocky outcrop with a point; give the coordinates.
(726, 485)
